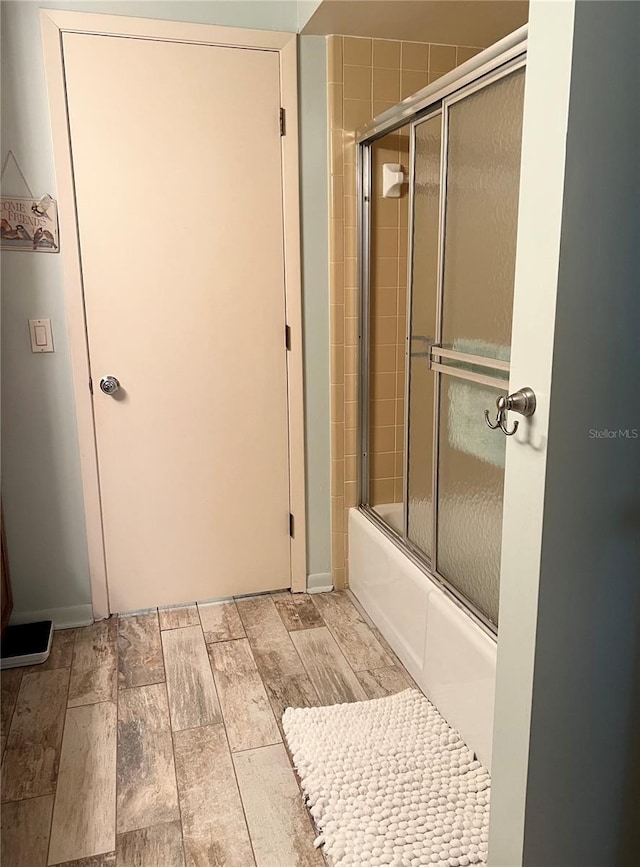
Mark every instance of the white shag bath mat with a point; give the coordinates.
(388, 781)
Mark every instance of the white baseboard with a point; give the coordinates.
(319, 582)
(63, 618)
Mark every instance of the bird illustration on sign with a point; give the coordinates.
(29, 224)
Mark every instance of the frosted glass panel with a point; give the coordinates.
(483, 179)
(423, 330)
(470, 490)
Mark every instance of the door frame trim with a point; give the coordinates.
(53, 25)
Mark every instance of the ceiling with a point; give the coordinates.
(452, 22)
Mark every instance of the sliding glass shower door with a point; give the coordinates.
(463, 196)
(481, 211)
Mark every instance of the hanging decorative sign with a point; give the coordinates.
(29, 224)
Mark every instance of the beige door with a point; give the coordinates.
(177, 168)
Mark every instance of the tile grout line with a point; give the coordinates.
(226, 737)
(296, 651)
(47, 794)
(313, 687)
(145, 612)
(115, 818)
(219, 640)
(143, 828)
(335, 638)
(266, 695)
(28, 798)
(173, 628)
(340, 651)
(296, 777)
(64, 727)
(253, 749)
(287, 631)
(142, 686)
(10, 723)
(128, 688)
(235, 777)
(302, 628)
(173, 745)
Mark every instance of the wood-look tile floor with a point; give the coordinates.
(154, 740)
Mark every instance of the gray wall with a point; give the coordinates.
(582, 792)
(41, 485)
(315, 280)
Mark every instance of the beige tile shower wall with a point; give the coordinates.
(388, 324)
(366, 76)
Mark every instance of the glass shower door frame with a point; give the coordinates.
(363, 240)
(436, 109)
(433, 100)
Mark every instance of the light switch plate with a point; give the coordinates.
(41, 336)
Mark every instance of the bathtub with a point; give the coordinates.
(451, 658)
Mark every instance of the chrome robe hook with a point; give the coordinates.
(523, 402)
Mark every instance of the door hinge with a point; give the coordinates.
(291, 527)
(287, 336)
(283, 122)
(90, 385)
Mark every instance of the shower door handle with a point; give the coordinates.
(522, 402)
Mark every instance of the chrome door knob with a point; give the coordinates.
(109, 384)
